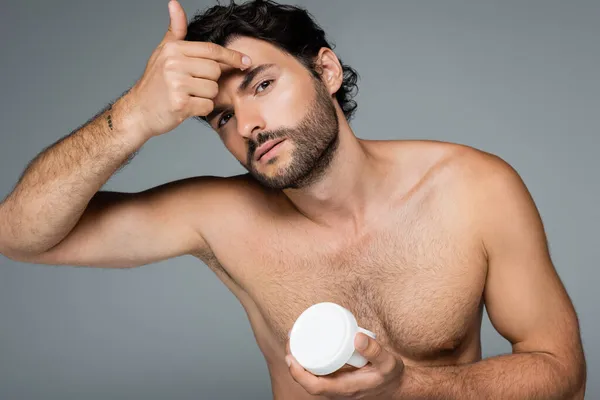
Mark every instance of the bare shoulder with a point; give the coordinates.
(463, 181)
(481, 175)
(480, 190)
(467, 168)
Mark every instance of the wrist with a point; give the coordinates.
(127, 121)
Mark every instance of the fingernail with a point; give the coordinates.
(362, 342)
(288, 361)
(246, 60)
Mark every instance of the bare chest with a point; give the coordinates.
(418, 287)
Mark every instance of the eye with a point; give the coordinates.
(224, 118)
(263, 85)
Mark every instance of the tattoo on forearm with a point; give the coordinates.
(109, 118)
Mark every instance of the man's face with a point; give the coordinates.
(282, 126)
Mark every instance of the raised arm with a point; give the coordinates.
(55, 213)
(58, 184)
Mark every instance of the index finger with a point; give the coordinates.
(213, 51)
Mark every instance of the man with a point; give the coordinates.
(412, 237)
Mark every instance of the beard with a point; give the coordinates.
(315, 140)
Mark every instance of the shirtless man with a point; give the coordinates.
(412, 237)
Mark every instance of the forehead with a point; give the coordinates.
(260, 52)
(255, 48)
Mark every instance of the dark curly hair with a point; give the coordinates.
(290, 28)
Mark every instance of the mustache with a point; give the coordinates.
(262, 138)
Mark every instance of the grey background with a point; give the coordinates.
(515, 78)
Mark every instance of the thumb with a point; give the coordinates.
(178, 25)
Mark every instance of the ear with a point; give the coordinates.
(330, 69)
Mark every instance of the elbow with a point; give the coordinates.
(18, 242)
(578, 380)
(20, 249)
(7, 249)
(572, 372)
(17, 254)
(575, 368)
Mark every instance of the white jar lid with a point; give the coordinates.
(322, 338)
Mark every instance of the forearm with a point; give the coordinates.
(58, 184)
(513, 376)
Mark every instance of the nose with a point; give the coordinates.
(250, 121)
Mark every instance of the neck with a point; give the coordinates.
(342, 195)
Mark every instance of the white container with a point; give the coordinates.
(322, 339)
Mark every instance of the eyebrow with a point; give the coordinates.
(248, 78)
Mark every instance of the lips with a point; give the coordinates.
(265, 147)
